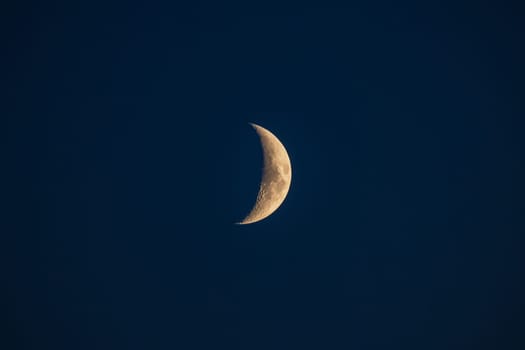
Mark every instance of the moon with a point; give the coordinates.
(276, 177)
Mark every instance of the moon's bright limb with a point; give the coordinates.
(276, 177)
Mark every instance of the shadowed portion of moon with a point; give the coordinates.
(276, 177)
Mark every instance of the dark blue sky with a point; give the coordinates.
(128, 155)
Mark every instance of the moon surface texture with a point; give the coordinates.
(276, 177)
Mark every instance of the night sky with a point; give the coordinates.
(127, 158)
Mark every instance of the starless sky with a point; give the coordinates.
(127, 157)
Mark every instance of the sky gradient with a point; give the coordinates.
(128, 156)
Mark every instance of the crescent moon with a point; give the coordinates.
(276, 177)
